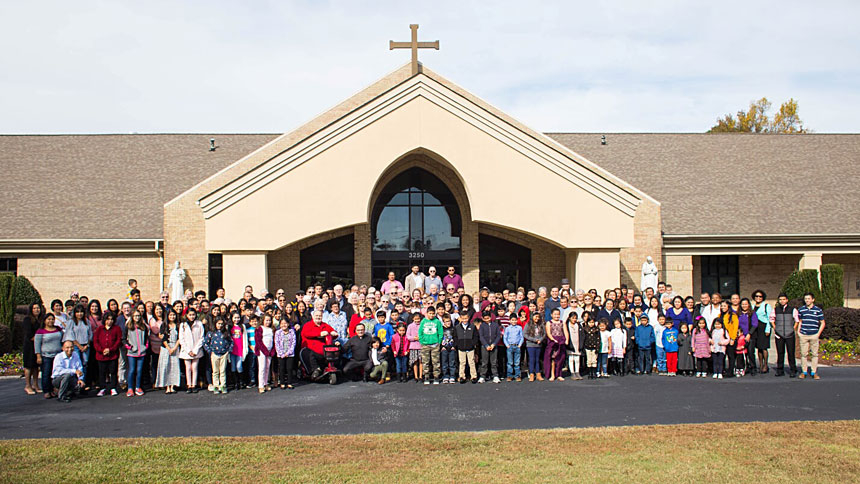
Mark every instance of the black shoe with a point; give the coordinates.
(792, 374)
(474, 380)
(778, 373)
(189, 391)
(462, 381)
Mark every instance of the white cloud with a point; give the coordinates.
(557, 66)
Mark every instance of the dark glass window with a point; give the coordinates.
(416, 212)
(329, 263)
(504, 265)
(9, 265)
(720, 274)
(216, 273)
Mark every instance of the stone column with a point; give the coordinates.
(470, 257)
(362, 254)
(244, 268)
(597, 268)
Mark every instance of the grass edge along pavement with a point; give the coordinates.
(762, 452)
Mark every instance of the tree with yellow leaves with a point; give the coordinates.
(757, 120)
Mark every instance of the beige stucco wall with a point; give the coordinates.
(98, 276)
(483, 163)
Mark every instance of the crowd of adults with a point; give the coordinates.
(425, 328)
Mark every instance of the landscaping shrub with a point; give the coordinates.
(5, 340)
(832, 292)
(842, 324)
(801, 282)
(25, 293)
(7, 309)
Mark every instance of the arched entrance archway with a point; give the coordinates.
(414, 220)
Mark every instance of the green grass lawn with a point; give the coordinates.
(729, 452)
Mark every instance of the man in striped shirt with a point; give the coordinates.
(811, 326)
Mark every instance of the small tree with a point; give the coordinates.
(832, 291)
(801, 282)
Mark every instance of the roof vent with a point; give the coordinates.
(212, 146)
(602, 140)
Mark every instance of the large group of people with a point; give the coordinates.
(427, 329)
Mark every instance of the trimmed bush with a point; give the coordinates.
(7, 309)
(5, 340)
(841, 323)
(832, 292)
(25, 293)
(801, 282)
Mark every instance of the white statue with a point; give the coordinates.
(176, 284)
(649, 275)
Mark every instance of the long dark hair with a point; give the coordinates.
(98, 313)
(33, 318)
(108, 305)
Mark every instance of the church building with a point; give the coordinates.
(414, 169)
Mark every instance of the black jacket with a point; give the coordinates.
(465, 339)
(360, 347)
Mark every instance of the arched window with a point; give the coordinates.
(415, 220)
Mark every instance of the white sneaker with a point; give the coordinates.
(720, 377)
(496, 379)
(715, 376)
(435, 382)
(101, 393)
(481, 380)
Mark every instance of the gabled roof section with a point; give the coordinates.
(290, 151)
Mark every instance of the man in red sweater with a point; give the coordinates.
(314, 336)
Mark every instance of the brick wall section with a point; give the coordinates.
(647, 240)
(98, 276)
(851, 266)
(284, 265)
(548, 260)
(678, 271)
(765, 272)
(361, 254)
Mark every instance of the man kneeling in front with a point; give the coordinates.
(67, 373)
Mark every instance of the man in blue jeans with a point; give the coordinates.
(644, 336)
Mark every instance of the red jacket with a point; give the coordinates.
(400, 345)
(107, 338)
(311, 338)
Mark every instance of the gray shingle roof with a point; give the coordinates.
(115, 186)
(104, 186)
(712, 184)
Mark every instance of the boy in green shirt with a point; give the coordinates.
(430, 335)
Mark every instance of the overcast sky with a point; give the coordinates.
(254, 66)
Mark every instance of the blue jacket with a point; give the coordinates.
(670, 340)
(644, 336)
